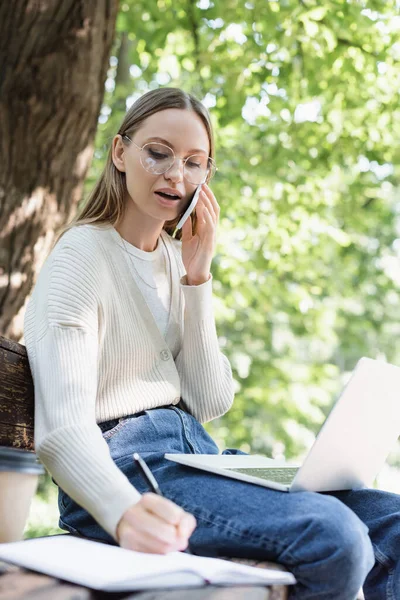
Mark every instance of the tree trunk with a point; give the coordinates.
(53, 64)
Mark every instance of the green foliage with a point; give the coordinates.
(43, 514)
(304, 99)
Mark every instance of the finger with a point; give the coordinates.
(162, 507)
(201, 218)
(187, 525)
(147, 543)
(212, 198)
(146, 522)
(153, 525)
(143, 542)
(207, 202)
(187, 230)
(209, 220)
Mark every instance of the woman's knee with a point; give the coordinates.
(350, 543)
(334, 552)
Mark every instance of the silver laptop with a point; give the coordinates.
(351, 448)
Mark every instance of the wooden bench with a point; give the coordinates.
(16, 430)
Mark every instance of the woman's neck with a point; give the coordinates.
(138, 229)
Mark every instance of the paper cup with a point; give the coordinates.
(19, 474)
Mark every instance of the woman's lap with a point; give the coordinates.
(240, 519)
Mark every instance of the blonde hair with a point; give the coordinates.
(106, 201)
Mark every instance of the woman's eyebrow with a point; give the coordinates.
(167, 143)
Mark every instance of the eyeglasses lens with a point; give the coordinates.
(157, 159)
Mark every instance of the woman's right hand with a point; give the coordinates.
(155, 525)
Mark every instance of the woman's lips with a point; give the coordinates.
(172, 192)
(170, 203)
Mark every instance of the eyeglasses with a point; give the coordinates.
(158, 158)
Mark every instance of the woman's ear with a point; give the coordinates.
(118, 153)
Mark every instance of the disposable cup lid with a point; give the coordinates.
(20, 461)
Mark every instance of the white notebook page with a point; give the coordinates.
(101, 566)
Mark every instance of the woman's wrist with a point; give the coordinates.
(199, 281)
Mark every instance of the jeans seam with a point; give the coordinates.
(390, 585)
(110, 433)
(386, 563)
(67, 527)
(189, 441)
(382, 558)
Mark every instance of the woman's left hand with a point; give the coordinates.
(198, 249)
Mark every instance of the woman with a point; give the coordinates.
(123, 349)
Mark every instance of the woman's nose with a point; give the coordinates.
(175, 173)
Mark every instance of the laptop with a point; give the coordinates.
(351, 447)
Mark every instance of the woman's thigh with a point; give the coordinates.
(233, 517)
(241, 519)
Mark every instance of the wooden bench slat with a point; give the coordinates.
(16, 396)
(26, 585)
(209, 593)
(12, 346)
(20, 584)
(15, 412)
(16, 436)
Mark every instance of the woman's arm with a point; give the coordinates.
(206, 376)
(205, 373)
(61, 335)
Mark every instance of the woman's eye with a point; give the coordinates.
(193, 165)
(157, 155)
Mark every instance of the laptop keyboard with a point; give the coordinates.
(284, 476)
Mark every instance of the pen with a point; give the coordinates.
(147, 474)
(150, 479)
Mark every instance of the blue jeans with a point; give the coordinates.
(333, 543)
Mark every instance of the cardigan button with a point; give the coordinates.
(164, 355)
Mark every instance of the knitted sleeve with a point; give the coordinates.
(63, 351)
(205, 373)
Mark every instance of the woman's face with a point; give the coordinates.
(185, 133)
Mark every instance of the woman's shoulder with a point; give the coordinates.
(80, 248)
(89, 233)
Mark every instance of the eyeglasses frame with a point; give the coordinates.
(175, 157)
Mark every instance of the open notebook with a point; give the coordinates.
(113, 569)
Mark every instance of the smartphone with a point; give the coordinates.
(188, 211)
